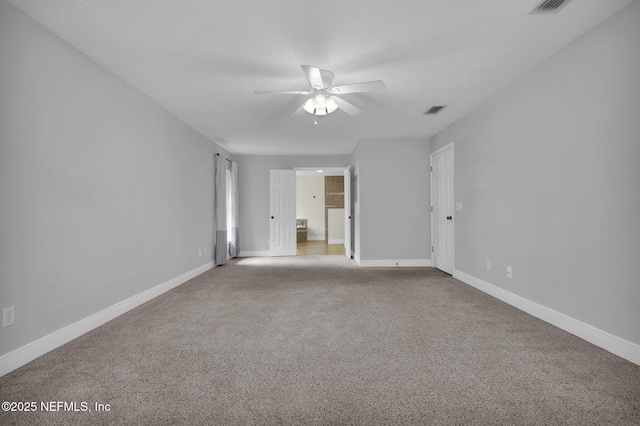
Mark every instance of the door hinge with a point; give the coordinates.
(431, 209)
(431, 168)
(431, 249)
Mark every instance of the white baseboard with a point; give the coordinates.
(607, 341)
(395, 263)
(27, 353)
(336, 241)
(265, 253)
(309, 238)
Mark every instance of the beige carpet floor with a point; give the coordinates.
(316, 340)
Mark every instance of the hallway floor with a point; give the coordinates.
(310, 248)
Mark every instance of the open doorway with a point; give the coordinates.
(322, 217)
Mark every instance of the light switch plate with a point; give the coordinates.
(459, 206)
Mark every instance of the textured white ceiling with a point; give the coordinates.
(202, 59)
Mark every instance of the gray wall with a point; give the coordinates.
(103, 194)
(548, 174)
(253, 185)
(392, 209)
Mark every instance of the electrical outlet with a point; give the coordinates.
(205, 250)
(509, 272)
(488, 265)
(200, 252)
(8, 316)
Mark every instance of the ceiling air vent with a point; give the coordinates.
(434, 109)
(549, 6)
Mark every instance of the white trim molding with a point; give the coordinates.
(394, 263)
(315, 238)
(27, 353)
(607, 341)
(265, 253)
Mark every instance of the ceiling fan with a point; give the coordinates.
(323, 99)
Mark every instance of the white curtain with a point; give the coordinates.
(233, 205)
(220, 211)
(225, 242)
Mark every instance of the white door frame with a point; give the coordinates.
(347, 212)
(347, 195)
(432, 184)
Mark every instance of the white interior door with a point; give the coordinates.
(347, 212)
(442, 208)
(282, 221)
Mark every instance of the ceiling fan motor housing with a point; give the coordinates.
(327, 78)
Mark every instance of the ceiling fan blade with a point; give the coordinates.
(313, 75)
(346, 106)
(298, 112)
(281, 92)
(369, 86)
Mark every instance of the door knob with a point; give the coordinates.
(449, 217)
(272, 217)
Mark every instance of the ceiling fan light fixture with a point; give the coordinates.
(320, 105)
(309, 106)
(331, 105)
